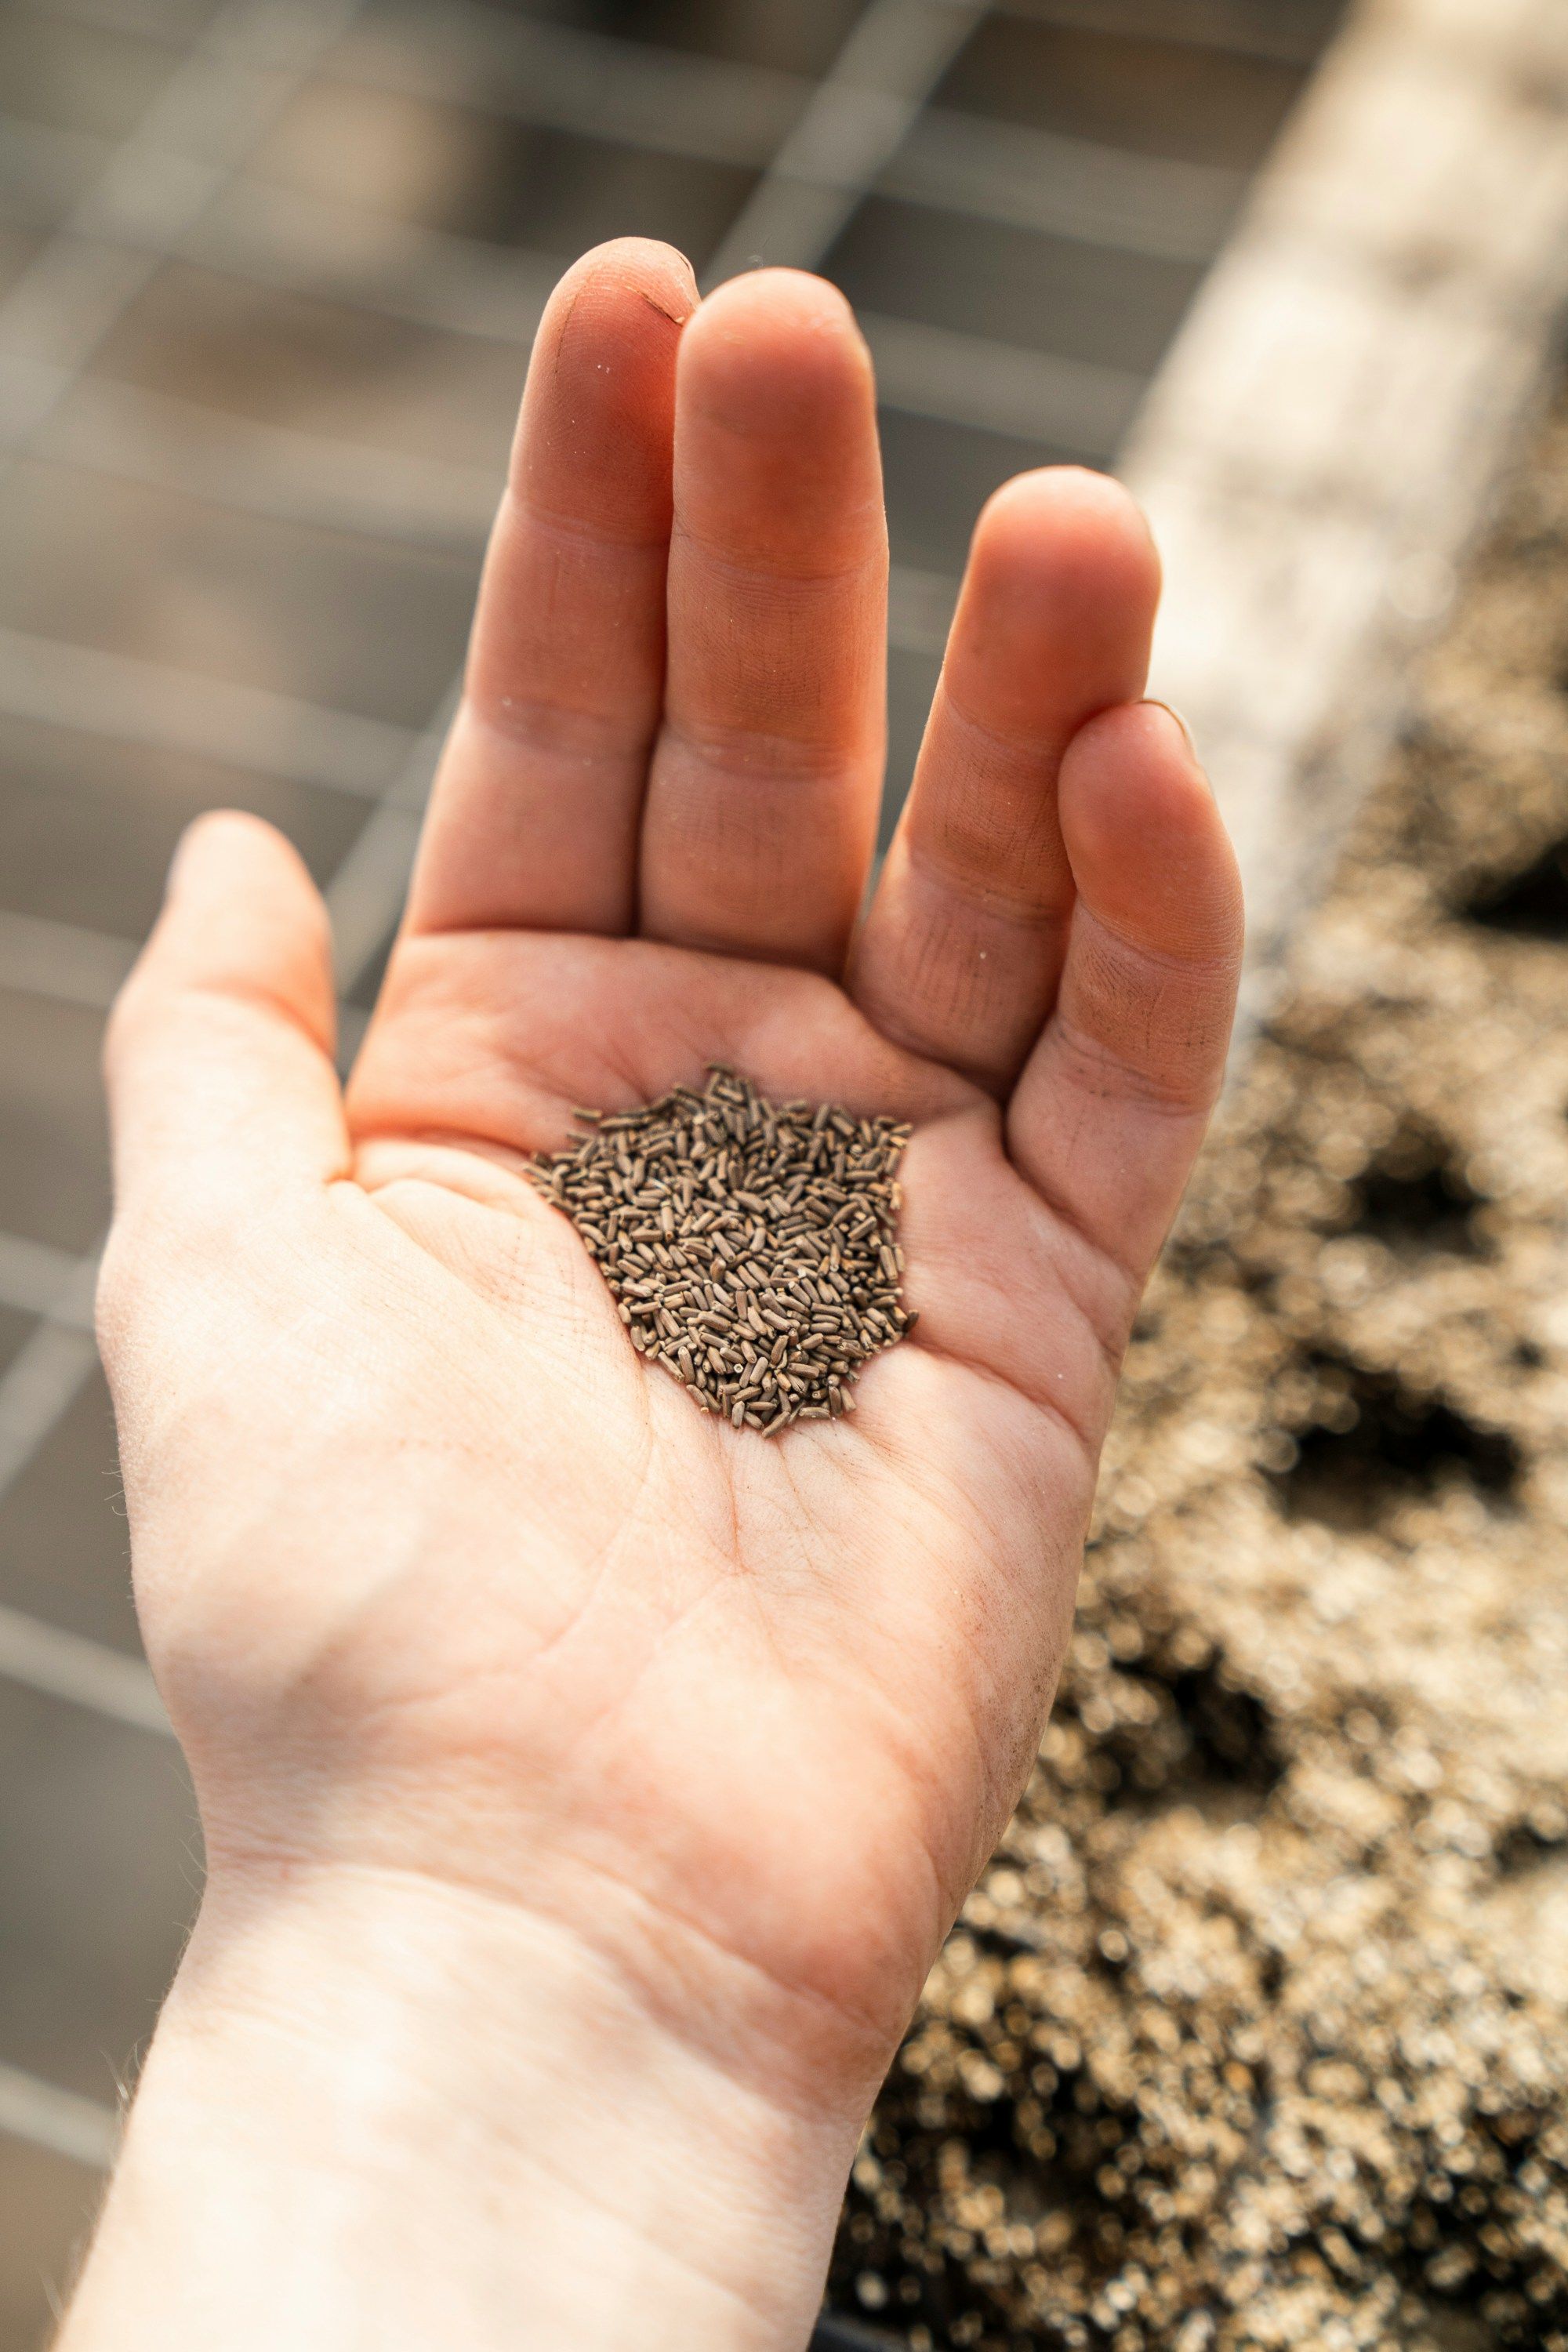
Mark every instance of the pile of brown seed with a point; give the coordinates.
(751, 1246)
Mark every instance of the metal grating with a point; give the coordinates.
(269, 269)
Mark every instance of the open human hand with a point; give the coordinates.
(462, 1610)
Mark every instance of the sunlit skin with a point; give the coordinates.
(463, 1611)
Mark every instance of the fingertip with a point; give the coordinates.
(217, 1053)
(593, 436)
(224, 841)
(1149, 849)
(621, 275)
(610, 329)
(1137, 760)
(1057, 605)
(767, 349)
(239, 909)
(1152, 702)
(780, 297)
(1063, 531)
(776, 456)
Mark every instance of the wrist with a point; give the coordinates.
(435, 2116)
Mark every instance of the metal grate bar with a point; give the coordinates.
(39, 1386)
(85, 1673)
(160, 20)
(856, 119)
(133, 701)
(1077, 190)
(36, 1279)
(60, 2121)
(299, 478)
(1277, 32)
(957, 378)
(299, 244)
(152, 191)
(289, 476)
(1006, 173)
(342, 253)
(309, 245)
(43, 171)
(1280, 31)
(594, 86)
(558, 78)
(62, 961)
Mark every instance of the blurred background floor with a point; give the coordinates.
(269, 272)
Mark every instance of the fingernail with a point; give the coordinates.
(1152, 702)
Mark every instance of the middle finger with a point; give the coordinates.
(760, 813)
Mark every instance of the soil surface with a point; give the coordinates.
(1255, 2031)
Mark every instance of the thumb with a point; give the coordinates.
(219, 1051)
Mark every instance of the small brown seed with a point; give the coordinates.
(751, 1246)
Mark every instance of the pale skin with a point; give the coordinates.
(587, 1784)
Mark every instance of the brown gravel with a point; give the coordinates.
(1255, 2031)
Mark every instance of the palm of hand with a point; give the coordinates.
(487, 1597)
(757, 1664)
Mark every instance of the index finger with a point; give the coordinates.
(533, 820)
